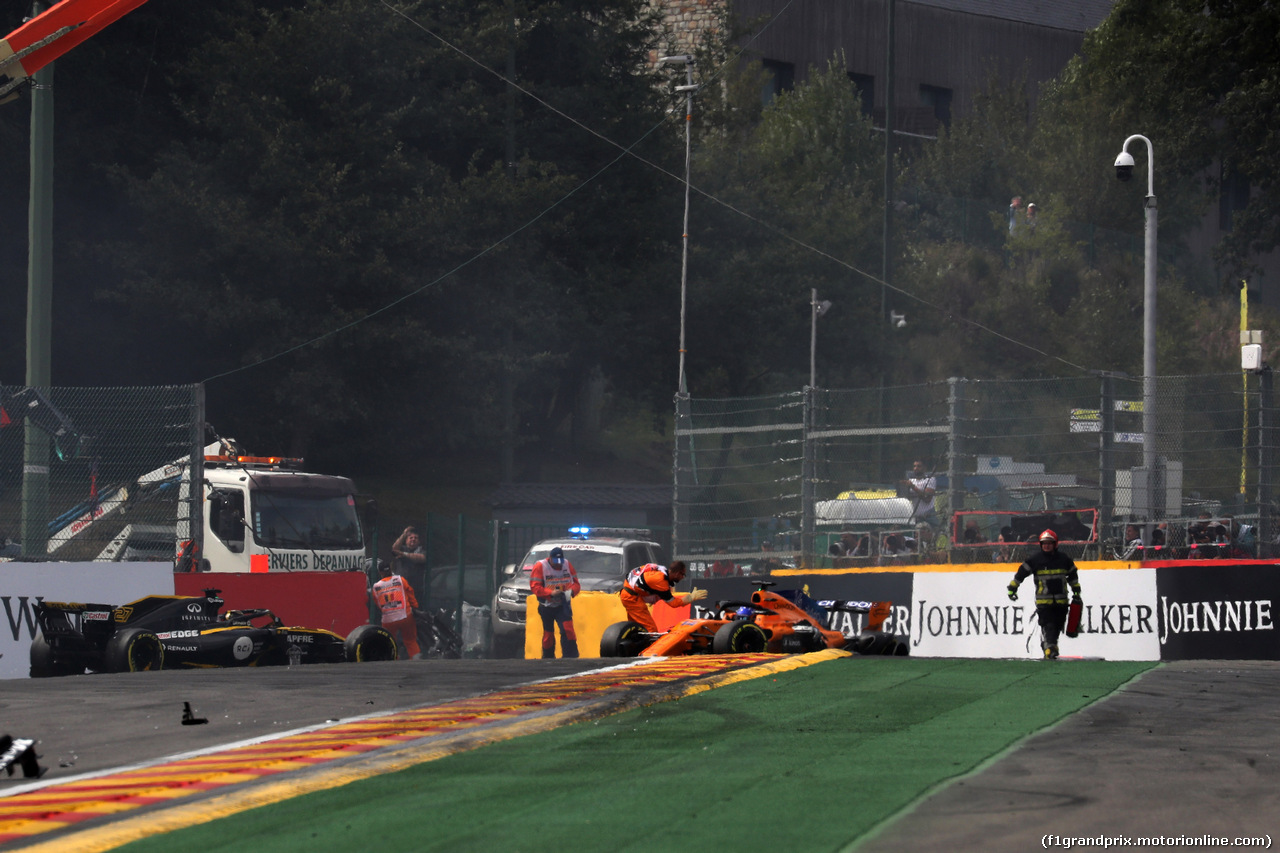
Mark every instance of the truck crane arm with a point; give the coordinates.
(42, 39)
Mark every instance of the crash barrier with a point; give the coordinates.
(24, 584)
(336, 601)
(593, 612)
(333, 600)
(1170, 610)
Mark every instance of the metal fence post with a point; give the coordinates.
(1106, 452)
(1266, 444)
(808, 477)
(955, 447)
(195, 494)
(462, 569)
(684, 438)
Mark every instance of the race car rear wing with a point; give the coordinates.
(878, 611)
(64, 619)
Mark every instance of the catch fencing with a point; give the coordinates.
(773, 481)
(89, 473)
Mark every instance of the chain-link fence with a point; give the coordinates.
(777, 480)
(90, 473)
(454, 586)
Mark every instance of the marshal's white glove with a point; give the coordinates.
(696, 595)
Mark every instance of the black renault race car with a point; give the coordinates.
(177, 632)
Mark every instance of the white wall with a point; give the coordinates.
(968, 615)
(23, 584)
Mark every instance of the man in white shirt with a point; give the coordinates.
(921, 488)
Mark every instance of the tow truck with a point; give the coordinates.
(256, 513)
(259, 514)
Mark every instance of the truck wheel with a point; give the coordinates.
(45, 664)
(369, 643)
(739, 637)
(623, 640)
(133, 650)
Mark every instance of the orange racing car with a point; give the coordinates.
(786, 622)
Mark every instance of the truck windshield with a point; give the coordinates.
(292, 520)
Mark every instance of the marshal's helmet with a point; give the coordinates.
(1049, 536)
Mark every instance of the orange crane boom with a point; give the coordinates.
(52, 33)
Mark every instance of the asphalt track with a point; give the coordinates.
(1188, 749)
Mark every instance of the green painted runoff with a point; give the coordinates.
(806, 760)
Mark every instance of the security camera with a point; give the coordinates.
(1124, 166)
(898, 320)
(682, 59)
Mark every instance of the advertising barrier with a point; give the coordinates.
(968, 615)
(1218, 612)
(894, 587)
(24, 584)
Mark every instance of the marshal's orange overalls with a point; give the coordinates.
(644, 586)
(396, 601)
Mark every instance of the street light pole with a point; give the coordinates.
(689, 88)
(1124, 170)
(817, 309)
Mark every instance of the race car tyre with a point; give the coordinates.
(623, 640)
(133, 650)
(738, 637)
(877, 643)
(43, 662)
(370, 643)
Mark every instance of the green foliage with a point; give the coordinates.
(799, 197)
(396, 243)
(338, 158)
(1200, 80)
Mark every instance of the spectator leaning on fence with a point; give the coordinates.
(921, 488)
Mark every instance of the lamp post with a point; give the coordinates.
(683, 443)
(1124, 172)
(689, 88)
(817, 310)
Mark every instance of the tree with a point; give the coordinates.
(336, 159)
(1199, 79)
(797, 202)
